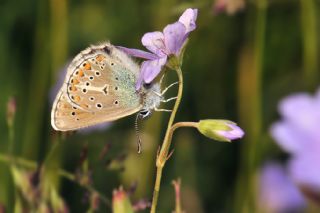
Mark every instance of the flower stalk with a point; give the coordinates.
(167, 49)
(177, 188)
(164, 151)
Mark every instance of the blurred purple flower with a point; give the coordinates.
(163, 44)
(299, 134)
(277, 192)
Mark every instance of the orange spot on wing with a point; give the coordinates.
(63, 105)
(87, 66)
(99, 58)
(75, 81)
(73, 88)
(81, 73)
(77, 98)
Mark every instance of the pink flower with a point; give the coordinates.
(162, 45)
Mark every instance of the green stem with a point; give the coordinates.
(163, 154)
(250, 106)
(52, 150)
(180, 124)
(67, 175)
(11, 139)
(310, 44)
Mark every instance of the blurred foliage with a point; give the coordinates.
(236, 67)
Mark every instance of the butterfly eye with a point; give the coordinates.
(107, 50)
(147, 85)
(145, 113)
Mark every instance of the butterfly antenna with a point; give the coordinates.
(137, 133)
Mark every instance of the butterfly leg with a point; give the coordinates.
(169, 99)
(165, 90)
(168, 87)
(162, 110)
(162, 77)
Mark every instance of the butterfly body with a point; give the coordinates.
(100, 86)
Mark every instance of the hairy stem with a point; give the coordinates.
(163, 154)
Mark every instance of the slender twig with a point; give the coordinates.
(162, 156)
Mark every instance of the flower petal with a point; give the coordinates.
(277, 192)
(304, 173)
(149, 71)
(155, 43)
(302, 110)
(174, 36)
(188, 19)
(235, 132)
(138, 53)
(288, 137)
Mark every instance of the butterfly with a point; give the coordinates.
(99, 86)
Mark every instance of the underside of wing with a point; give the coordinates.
(98, 87)
(65, 116)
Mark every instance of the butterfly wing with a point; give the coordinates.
(99, 87)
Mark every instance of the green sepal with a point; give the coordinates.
(175, 61)
(210, 127)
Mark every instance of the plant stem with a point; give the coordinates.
(33, 166)
(163, 154)
(11, 139)
(177, 188)
(310, 42)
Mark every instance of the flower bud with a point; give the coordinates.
(121, 202)
(220, 130)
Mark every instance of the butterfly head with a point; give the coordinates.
(152, 97)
